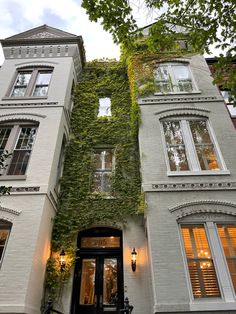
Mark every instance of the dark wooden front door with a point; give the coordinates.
(98, 280)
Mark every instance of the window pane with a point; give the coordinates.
(110, 281)
(101, 182)
(4, 135)
(172, 132)
(176, 153)
(22, 151)
(104, 107)
(177, 158)
(200, 264)
(182, 78)
(203, 144)
(42, 82)
(41, 91)
(103, 159)
(163, 79)
(21, 84)
(199, 132)
(227, 235)
(207, 158)
(87, 281)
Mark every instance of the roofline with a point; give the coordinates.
(43, 41)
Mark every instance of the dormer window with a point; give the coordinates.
(32, 82)
(173, 78)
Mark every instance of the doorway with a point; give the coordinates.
(98, 278)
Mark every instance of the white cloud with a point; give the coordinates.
(66, 15)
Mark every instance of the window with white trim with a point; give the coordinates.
(104, 109)
(31, 82)
(17, 139)
(210, 250)
(103, 166)
(173, 78)
(5, 228)
(190, 146)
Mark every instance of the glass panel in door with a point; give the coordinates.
(110, 286)
(87, 285)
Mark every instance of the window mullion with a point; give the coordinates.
(32, 82)
(189, 146)
(219, 262)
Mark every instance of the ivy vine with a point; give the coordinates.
(78, 207)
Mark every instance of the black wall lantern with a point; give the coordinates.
(133, 259)
(62, 260)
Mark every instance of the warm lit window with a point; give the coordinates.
(17, 139)
(203, 260)
(171, 78)
(4, 234)
(200, 263)
(102, 174)
(189, 145)
(104, 107)
(32, 82)
(227, 234)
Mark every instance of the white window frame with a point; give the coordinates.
(32, 84)
(191, 152)
(11, 146)
(220, 264)
(169, 66)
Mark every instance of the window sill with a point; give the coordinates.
(101, 195)
(12, 178)
(24, 98)
(198, 173)
(197, 92)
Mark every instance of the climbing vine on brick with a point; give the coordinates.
(79, 208)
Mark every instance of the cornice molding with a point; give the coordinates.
(181, 99)
(25, 189)
(189, 186)
(33, 104)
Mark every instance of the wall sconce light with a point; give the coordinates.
(62, 260)
(133, 259)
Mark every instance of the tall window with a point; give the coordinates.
(4, 234)
(19, 140)
(104, 107)
(32, 82)
(175, 77)
(102, 174)
(200, 264)
(227, 234)
(203, 260)
(189, 145)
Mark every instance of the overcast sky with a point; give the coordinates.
(17, 16)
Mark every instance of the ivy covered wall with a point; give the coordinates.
(80, 208)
